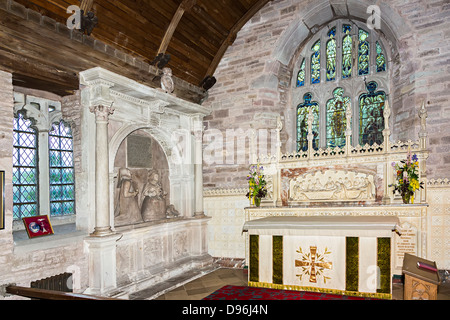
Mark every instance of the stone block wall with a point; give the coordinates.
(6, 142)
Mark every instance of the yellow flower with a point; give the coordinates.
(415, 184)
(412, 199)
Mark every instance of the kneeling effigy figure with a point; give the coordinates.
(127, 209)
(154, 203)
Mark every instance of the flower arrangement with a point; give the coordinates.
(407, 178)
(256, 184)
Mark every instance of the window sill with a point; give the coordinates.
(64, 234)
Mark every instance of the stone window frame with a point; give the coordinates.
(353, 86)
(43, 113)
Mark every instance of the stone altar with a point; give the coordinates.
(351, 182)
(348, 255)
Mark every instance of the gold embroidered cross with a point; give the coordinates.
(313, 263)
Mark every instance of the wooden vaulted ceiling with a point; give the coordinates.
(196, 33)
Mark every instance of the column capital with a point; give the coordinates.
(101, 112)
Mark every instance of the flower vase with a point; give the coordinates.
(257, 201)
(405, 197)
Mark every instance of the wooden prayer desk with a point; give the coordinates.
(420, 283)
(348, 255)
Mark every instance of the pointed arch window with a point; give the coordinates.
(315, 63)
(331, 55)
(381, 60)
(371, 120)
(336, 121)
(301, 75)
(302, 120)
(363, 53)
(352, 55)
(347, 44)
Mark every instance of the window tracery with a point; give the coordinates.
(354, 66)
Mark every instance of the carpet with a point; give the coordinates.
(230, 292)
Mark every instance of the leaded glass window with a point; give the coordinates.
(371, 119)
(302, 123)
(381, 61)
(347, 45)
(25, 173)
(363, 53)
(351, 56)
(315, 63)
(62, 177)
(335, 120)
(301, 74)
(331, 55)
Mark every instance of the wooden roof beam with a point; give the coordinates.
(186, 5)
(232, 35)
(86, 5)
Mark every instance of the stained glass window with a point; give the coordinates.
(335, 118)
(301, 75)
(331, 55)
(315, 63)
(347, 52)
(363, 52)
(62, 177)
(302, 123)
(371, 120)
(25, 174)
(342, 47)
(381, 61)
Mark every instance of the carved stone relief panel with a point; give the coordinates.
(124, 261)
(332, 185)
(179, 244)
(153, 251)
(357, 183)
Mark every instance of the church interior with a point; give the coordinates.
(163, 149)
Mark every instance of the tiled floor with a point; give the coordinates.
(203, 286)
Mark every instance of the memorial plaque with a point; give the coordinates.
(139, 151)
(406, 243)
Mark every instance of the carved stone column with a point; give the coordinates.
(423, 114)
(310, 135)
(102, 215)
(387, 148)
(198, 168)
(348, 131)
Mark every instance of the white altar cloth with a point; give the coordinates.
(342, 254)
(324, 225)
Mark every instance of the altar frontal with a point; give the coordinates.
(348, 255)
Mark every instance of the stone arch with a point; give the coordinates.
(164, 139)
(174, 160)
(305, 25)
